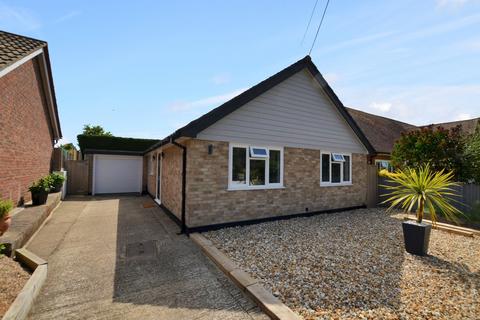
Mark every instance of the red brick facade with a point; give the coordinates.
(26, 139)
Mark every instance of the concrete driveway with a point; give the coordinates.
(112, 258)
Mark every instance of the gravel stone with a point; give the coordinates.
(352, 265)
(12, 279)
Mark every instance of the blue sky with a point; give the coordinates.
(145, 68)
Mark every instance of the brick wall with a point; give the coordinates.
(25, 134)
(171, 180)
(209, 202)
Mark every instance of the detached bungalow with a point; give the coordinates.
(285, 146)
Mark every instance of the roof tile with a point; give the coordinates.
(15, 47)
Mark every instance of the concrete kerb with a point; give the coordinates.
(271, 305)
(23, 303)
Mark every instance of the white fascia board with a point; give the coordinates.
(20, 62)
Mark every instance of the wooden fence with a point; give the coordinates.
(467, 195)
(77, 182)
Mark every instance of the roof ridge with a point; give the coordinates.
(214, 115)
(383, 117)
(22, 36)
(448, 122)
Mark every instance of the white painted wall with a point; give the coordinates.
(294, 113)
(117, 174)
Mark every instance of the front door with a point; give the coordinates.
(158, 196)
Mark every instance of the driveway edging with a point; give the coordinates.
(22, 304)
(271, 305)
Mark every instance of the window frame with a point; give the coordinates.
(389, 164)
(329, 183)
(236, 186)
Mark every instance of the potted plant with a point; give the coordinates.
(5, 207)
(57, 180)
(39, 190)
(421, 189)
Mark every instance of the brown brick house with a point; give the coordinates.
(286, 146)
(28, 115)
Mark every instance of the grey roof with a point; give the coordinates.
(15, 47)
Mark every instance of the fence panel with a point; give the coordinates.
(77, 182)
(467, 195)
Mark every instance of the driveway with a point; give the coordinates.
(120, 258)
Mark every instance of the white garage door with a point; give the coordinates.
(117, 174)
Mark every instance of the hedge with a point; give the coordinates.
(86, 142)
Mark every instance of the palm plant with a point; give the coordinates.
(425, 189)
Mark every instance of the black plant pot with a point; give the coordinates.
(56, 188)
(416, 236)
(39, 198)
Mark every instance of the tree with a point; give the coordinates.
(68, 147)
(472, 156)
(91, 130)
(442, 149)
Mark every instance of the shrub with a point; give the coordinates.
(5, 207)
(41, 185)
(442, 149)
(56, 179)
(424, 188)
(472, 156)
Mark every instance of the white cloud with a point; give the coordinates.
(205, 102)
(17, 18)
(221, 78)
(68, 16)
(451, 3)
(472, 45)
(356, 41)
(381, 106)
(417, 104)
(331, 77)
(463, 116)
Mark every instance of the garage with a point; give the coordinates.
(110, 165)
(117, 174)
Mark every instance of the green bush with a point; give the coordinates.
(472, 155)
(5, 207)
(41, 185)
(56, 179)
(442, 149)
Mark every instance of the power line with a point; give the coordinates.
(309, 21)
(318, 29)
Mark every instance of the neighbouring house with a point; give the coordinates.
(286, 146)
(383, 132)
(115, 164)
(29, 120)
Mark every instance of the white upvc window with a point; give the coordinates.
(335, 168)
(254, 167)
(384, 164)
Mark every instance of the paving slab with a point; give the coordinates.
(112, 258)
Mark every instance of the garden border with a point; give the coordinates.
(22, 304)
(271, 305)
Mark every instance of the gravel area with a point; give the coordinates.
(12, 279)
(352, 265)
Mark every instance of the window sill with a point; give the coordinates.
(254, 188)
(343, 184)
